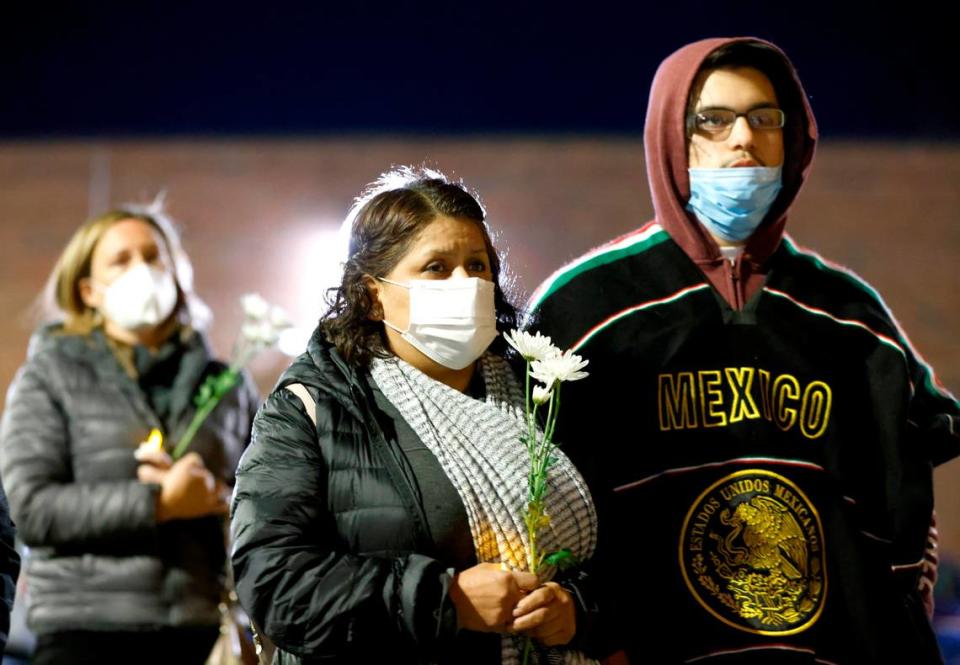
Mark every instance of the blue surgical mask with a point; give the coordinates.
(731, 202)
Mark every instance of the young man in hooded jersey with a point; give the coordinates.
(758, 431)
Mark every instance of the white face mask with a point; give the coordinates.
(452, 321)
(142, 297)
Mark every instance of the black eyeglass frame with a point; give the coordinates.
(694, 119)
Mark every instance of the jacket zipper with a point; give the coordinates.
(390, 458)
(736, 284)
(393, 463)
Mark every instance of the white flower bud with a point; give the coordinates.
(541, 395)
(279, 318)
(254, 306)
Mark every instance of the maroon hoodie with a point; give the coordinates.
(665, 147)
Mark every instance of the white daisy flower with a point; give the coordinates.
(279, 319)
(562, 367)
(254, 306)
(531, 347)
(260, 333)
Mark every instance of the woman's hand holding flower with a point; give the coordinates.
(547, 614)
(485, 596)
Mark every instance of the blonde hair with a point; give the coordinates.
(61, 297)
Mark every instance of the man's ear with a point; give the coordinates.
(373, 290)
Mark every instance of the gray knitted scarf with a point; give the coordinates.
(478, 446)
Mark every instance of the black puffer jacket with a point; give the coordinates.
(330, 550)
(332, 556)
(99, 560)
(9, 568)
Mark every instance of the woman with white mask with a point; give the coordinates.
(377, 512)
(126, 546)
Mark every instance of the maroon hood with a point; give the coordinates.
(665, 148)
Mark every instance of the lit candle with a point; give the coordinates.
(154, 441)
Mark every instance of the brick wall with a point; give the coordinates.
(260, 215)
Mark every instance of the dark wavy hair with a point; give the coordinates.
(385, 220)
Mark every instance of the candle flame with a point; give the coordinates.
(155, 440)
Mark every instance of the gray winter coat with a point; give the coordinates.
(98, 559)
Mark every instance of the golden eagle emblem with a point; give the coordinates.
(751, 553)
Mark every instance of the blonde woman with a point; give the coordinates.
(126, 552)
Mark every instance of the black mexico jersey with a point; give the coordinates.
(766, 472)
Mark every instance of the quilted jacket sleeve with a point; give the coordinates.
(294, 574)
(48, 508)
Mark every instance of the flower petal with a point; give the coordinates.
(254, 306)
(541, 394)
(531, 346)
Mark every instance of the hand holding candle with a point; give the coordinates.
(154, 461)
(187, 488)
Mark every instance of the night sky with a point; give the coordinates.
(320, 68)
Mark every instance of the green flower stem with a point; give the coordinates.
(527, 393)
(532, 535)
(224, 383)
(554, 411)
(551, 413)
(532, 431)
(540, 449)
(527, 645)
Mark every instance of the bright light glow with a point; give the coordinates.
(293, 341)
(313, 263)
(316, 264)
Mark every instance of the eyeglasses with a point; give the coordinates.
(720, 121)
